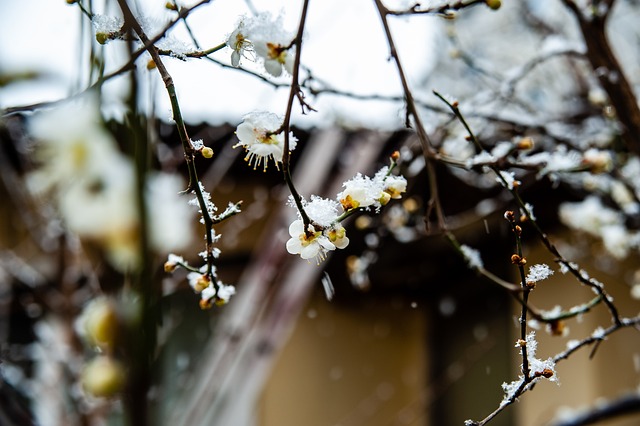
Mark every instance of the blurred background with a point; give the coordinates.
(411, 335)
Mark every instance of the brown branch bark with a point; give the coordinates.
(610, 73)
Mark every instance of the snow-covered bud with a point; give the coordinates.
(598, 161)
(395, 186)
(493, 4)
(557, 328)
(172, 262)
(546, 373)
(198, 282)
(103, 38)
(103, 377)
(510, 215)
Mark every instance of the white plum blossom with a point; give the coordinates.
(265, 36)
(393, 185)
(256, 135)
(360, 192)
(239, 43)
(310, 243)
(271, 43)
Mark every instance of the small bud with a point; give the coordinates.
(518, 230)
(170, 266)
(530, 284)
(103, 377)
(557, 328)
(151, 64)
(493, 4)
(384, 199)
(521, 343)
(517, 260)
(510, 215)
(100, 322)
(524, 217)
(468, 138)
(525, 143)
(102, 38)
(205, 304)
(546, 373)
(455, 104)
(395, 156)
(201, 283)
(72, 1)
(207, 152)
(171, 5)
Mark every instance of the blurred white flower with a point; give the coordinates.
(170, 216)
(71, 142)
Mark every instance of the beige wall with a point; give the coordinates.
(361, 364)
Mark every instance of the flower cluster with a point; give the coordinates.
(203, 282)
(265, 36)
(324, 233)
(363, 192)
(257, 135)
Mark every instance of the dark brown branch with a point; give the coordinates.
(610, 73)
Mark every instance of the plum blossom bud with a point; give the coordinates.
(598, 161)
(103, 377)
(493, 4)
(337, 236)
(172, 262)
(207, 152)
(100, 322)
(525, 143)
(198, 282)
